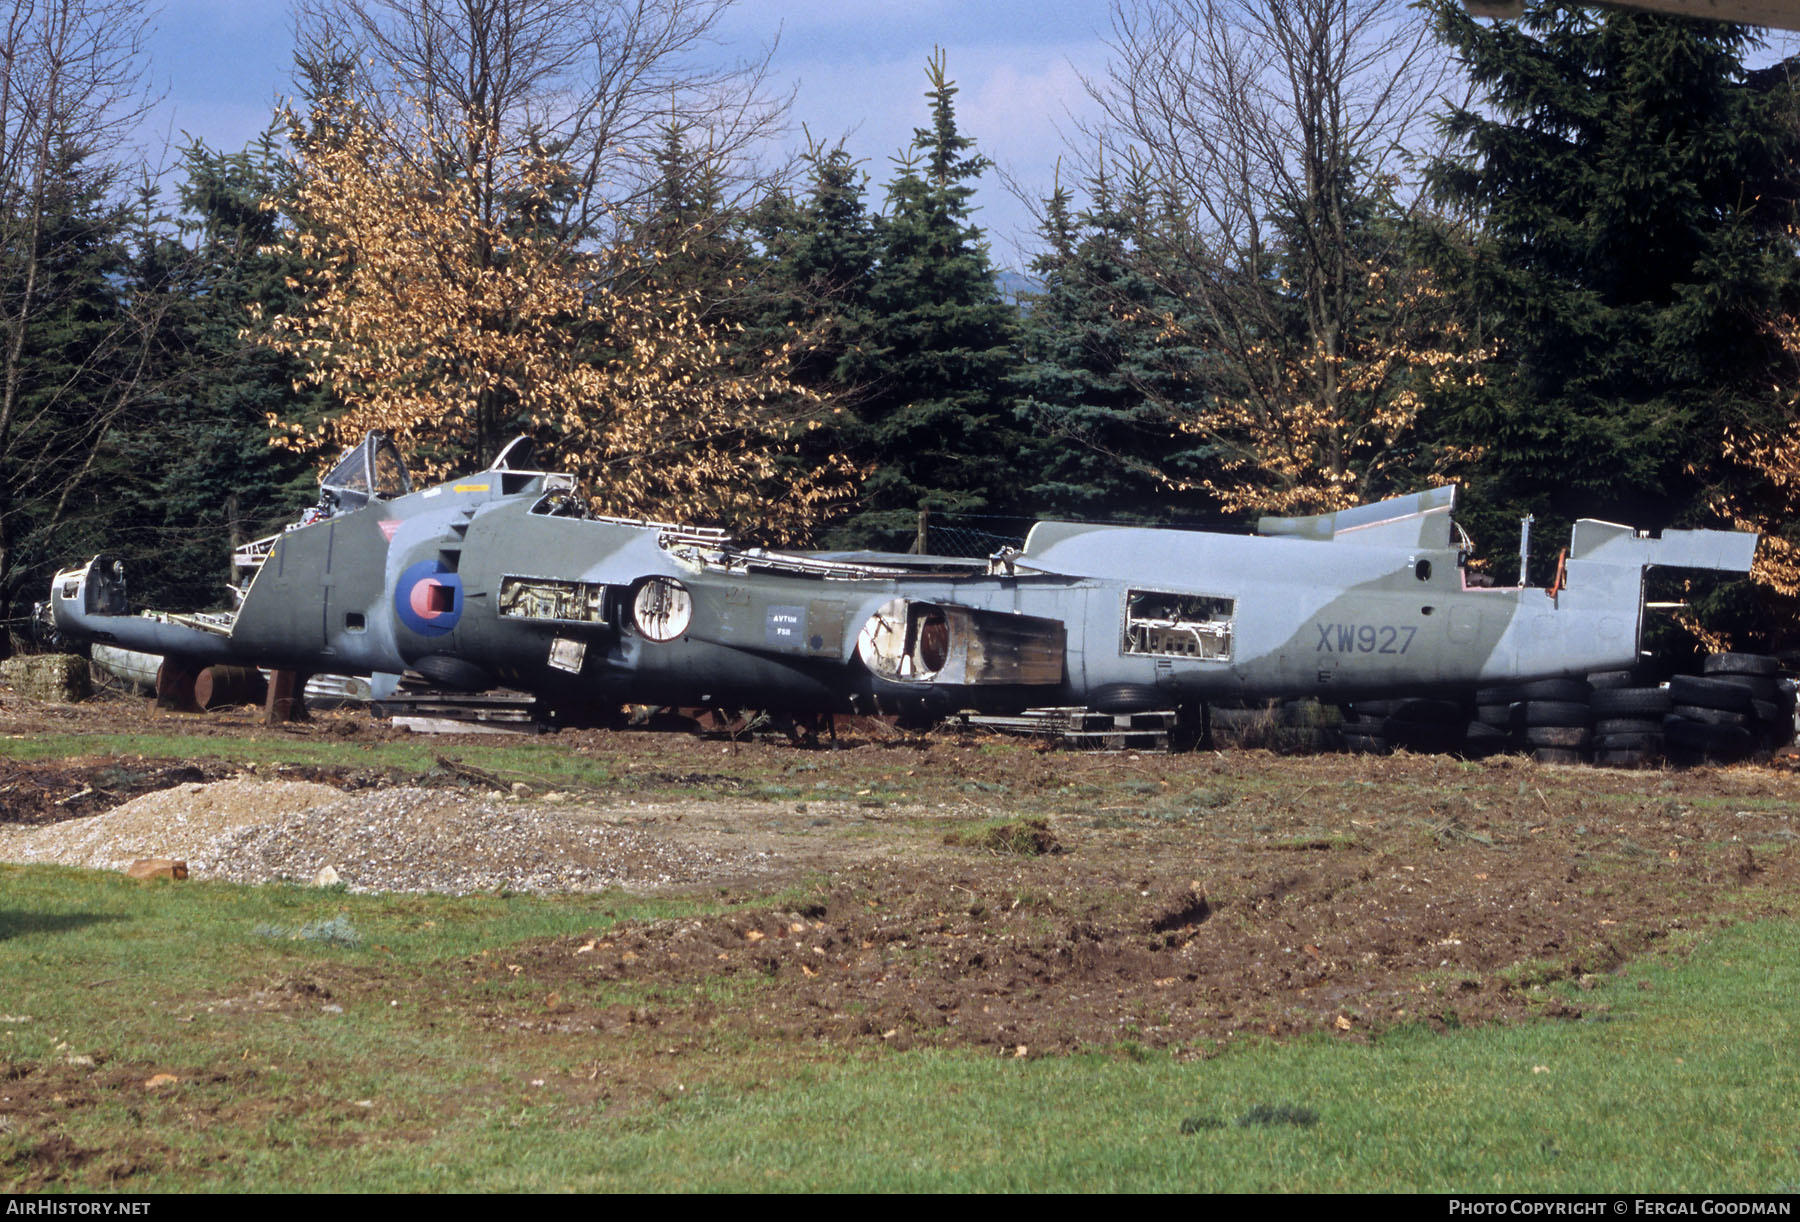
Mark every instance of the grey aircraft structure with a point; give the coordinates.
(503, 578)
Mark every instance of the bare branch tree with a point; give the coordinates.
(1271, 125)
(70, 94)
(594, 83)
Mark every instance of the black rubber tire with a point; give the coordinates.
(1480, 735)
(1628, 742)
(1556, 713)
(1501, 715)
(1760, 687)
(1711, 717)
(1129, 698)
(1710, 739)
(1628, 725)
(1709, 693)
(1556, 755)
(1626, 759)
(1422, 709)
(1741, 664)
(1553, 689)
(1571, 738)
(1424, 737)
(1612, 680)
(1362, 744)
(1630, 702)
(1769, 713)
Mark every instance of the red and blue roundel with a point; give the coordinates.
(429, 598)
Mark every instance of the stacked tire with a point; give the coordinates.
(1547, 717)
(1418, 724)
(1740, 705)
(1490, 731)
(1628, 725)
(1553, 719)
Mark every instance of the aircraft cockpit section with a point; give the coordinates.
(370, 470)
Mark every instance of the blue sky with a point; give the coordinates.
(858, 68)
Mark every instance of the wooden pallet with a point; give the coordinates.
(1085, 729)
(434, 712)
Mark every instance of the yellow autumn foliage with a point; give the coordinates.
(441, 309)
(1764, 496)
(1330, 423)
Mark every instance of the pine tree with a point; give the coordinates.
(1100, 371)
(937, 353)
(809, 285)
(1627, 174)
(815, 271)
(77, 353)
(217, 481)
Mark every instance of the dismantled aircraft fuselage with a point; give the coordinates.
(502, 578)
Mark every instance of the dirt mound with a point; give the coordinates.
(1054, 953)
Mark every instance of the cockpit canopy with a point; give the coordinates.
(372, 469)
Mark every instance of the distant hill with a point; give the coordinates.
(1017, 285)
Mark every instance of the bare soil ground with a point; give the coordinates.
(986, 893)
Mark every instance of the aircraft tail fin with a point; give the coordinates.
(1728, 551)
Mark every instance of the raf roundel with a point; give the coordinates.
(428, 598)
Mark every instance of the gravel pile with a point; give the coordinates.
(381, 840)
(182, 822)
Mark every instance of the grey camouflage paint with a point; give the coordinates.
(1363, 602)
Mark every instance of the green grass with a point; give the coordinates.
(1689, 1085)
(1679, 1077)
(541, 762)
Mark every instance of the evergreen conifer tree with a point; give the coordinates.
(217, 481)
(1628, 177)
(937, 353)
(1101, 370)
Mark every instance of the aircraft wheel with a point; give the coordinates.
(452, 672)
(1128, 698)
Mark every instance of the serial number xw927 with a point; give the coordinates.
(1364, 638)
